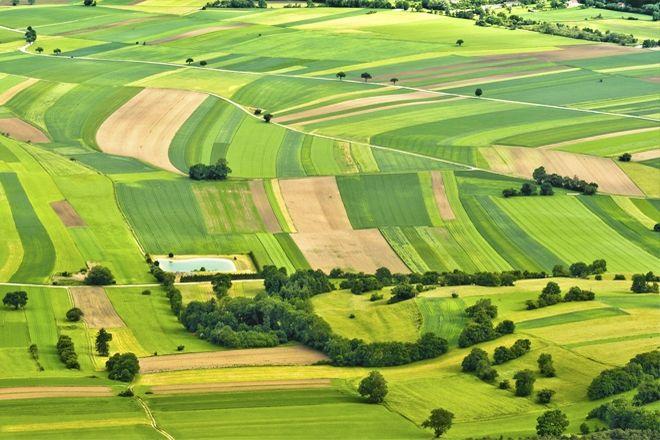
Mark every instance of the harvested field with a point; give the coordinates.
(355, 103)
(22, 131)
(144, 127)
(50, 392)
(13, 91)
(263, 206)
(96, 306)
(196, 33)
(583, 51)
(498, 77)
(522, 161)
(315, 204)
(600, 136)
(364, 250)
(67, 214)
(441, 196)
(646, 155)
(241, 386)
(290, 355)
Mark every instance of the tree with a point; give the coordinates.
(539, 174)
(221, 284)
(394, 81)
(551, 423)
(505, 327)
(99, 276)
(544, 396)
(527, 189)
(203, 63)
(478, 92)
(439, 421)
(102, 342)
(459, 42)
(641, 285)
(39, 49)
(189, 61)
(16, 299)
(656, 227)
(30, 35)
(366, 76)
(546, 367)
(267, 117)
(373, 387)
(340, 75)
(74, 314)
(472, 361)
(122, 367)
(57, 51)
(546, 189)
(524, 383)
(579, 269)
(262, 4)
(625, 157)
(402, 292)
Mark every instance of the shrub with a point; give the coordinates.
(544, 396)
(74, 314)
(126, 393)
(146, 292)
(619, 277)
(505, 384)
(376, 297)
(180, 347)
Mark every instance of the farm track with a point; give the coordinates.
(152, 419)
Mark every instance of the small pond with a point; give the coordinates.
(210, 264)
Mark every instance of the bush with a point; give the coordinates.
(503, 354)
(99, 276)
(373, 387)
(180, 347)
(619, 277)
(544, 396)
(126, 393)
(146, 292)
(74, 314)
(376, 297)
(122, 367)
(546, 366)
(504, 385)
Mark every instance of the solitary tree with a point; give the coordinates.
(99, 276)
(625, 157)
(39, 49)
(203, 63)
(551, 423)
(459, 42)
(366, 76)
(394, 80)
(340, 75)
(102, 342)
(30, 35)
(267, 117)
(57, 51)
(373, 387)
(74, 314)
(524, 383)
(478, 92)
(15, 299)
(439, 421)
(189, 61)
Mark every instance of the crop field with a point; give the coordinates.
(353, 139)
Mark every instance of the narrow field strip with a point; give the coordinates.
(96, 306)
(15, 393)
(8, 94)
(219, 387)
(599, 137)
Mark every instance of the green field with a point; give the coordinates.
(414, 162)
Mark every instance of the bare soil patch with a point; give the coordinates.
(49, 392)
(582, 51)
(315, 204)
(13, 91)
(22, 131)
(356, 103)
(196, 33)
(598, 137)
(144, 127)
(521, 162)
(96, 306)
(646, 155)
(441, 196)
(67, 214)
(241, 386)
(263, 206)
(289, 355)
(363, 250)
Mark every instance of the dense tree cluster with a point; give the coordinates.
(477, 362)
(647, 392)
(620, 414)
(504, 354)
(580, 269)
(301, 285)
(218, 171)
(544, 396)
(235, 4)
(67, 352)
(16, 299)
(646, 7)
(644, 283)
(551, 295)
(621, 379)
(99, 276)
(480, 328)
(571, 183)
(122, 367)
(359, 283)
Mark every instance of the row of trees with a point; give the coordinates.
(218, 171)
(529, 189)
(580, 269)
(480, 328)
(551, 295)
(67, 352)
(235, 4)
(571, 183)
(620, 379)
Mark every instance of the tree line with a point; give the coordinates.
(644, 366)
(540, 176)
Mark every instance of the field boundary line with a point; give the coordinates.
(152, 419)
